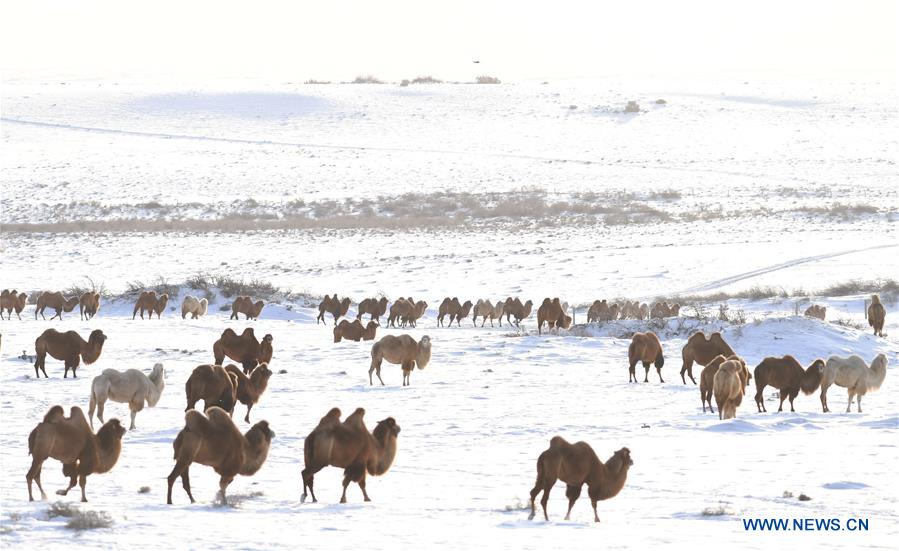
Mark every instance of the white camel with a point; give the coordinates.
(130, 387)
(854, 374)
(193, 306)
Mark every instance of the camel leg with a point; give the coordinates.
(534, 491)
(134, 411)
(100, 408)
(353, 473)
(34, 473)
(782, 398)
(223, 487)
(646, 367)
(247, 418)
(308, 475)
(362, 486)
(593, 502)
(659, 371)
(759, 399)
(185, 483)
(793, 396)
(545, 499)
(684, 370)
(82, 481)
(572, 493)
(824, 399)
(859, 399)
(632, 372)
(851, 396)
(179, 468)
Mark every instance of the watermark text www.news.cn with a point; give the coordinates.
(805, 524)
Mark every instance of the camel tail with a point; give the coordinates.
(309, 449)
(31, 440)
(660, 360)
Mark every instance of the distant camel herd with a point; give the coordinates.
(212, 438)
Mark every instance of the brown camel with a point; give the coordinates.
(448, 307)
(245, 348)
(401, 350)
(373, 307)
(399, 310)
(815, 311)
(11, 300)
(729, 386)
(786, 375)
(245, 305)
(462, 313)
(250, 389)
(485, 309)
(354, 331)
(56, 301)
(707, 378)
(702, 350)
(89, 304)
(148, 301)
(597, 311)
(214, 385)
(577, 464)
(351, 447)
(68, 347)
(213, 440)
(515, 309)
(552, 313)
(645, 348)
(412, 317)
(333, 306)
(71, 441)
(876, 315)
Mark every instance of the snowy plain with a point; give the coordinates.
(755, 176)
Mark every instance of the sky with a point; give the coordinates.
(394, 39)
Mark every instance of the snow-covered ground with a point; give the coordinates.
(755, 177)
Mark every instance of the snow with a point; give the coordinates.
(474, 421)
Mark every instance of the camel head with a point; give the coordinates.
(875, 299)
(818, 365)
(158, 372)
(385, 427)
(97, 337)
(261, 375)
(111, 432)
(879, 362)
(260, 432)
(624, 455)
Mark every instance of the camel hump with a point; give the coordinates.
(219, 418)
(229, 333)
(355, 419)
(331, 418)
(196, 422)
(558, 442)
(56, 413)
(234, 379)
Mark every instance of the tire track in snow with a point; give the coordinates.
(708, 286)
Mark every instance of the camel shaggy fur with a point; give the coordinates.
(575, 465)
(89, 305)
(71, 441)
(729, 386)
(645, 348)
(876, 315)
(786, 375)
(355, 331)
(333, 306)
(351, 447)
(68, 347)
(130, 387)
(10, 300)
(213, 440)
(702, 350)
(399, 310)
(402, 350)
(56, 301)
(245, 348)
(707, 378)
(855, 375)
(148, 301)
(250, 389)
(194, 306)
(245, 305)
(214, 385)
(374, 307)
(552, 312)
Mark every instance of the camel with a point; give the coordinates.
(514, 308)
(213, 440)
(876, 315)
(245, 305)
(89, 305)
(214, 385)
(461, 313)
(10, 300)
(577, 464)
(56, 301)
(130, 387)
(597, 311)
(400, 309)
(553, 314)
(815, 311)
(729, 387)
(448, 307)
(250, 389)
(707, 378)
(71, 441)
(148, 301)
(351, 447)
(330, 305)
(68, 347)
(645, 348)
(786, 375)
(354, 331)
(855, 375)
(375, 308)
(702, 350)
(194, 306)
(412, 317)
(486, 310)
(401, 350)
(245, 348)
(643, 312)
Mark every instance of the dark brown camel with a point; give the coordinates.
(786, 375)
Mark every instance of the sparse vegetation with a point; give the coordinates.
(313, 81)
(719, 510)
(89, 520)
(367, 79)
(61, 509)
(486, 79)
(426, 80)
